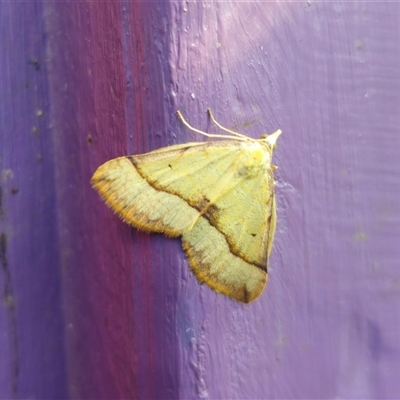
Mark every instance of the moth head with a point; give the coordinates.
(271, 139)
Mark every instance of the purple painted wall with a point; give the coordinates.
(92, 309)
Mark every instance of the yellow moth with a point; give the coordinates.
(217, 195)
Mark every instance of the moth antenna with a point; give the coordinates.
(222, 127)
(236, 136)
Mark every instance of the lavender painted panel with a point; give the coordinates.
(328, 75)
(32, 362)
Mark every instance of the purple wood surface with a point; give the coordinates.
(93, 309)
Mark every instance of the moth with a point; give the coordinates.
(218, 196)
